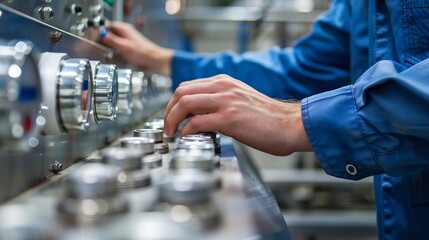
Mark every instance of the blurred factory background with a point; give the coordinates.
(314, 205)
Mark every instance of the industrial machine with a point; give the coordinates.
(82, 151)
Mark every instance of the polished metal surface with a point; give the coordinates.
(152, 161)
(144, 145)
(93, 180)
(91, 195)
(162, 148)
(193, 159)
(20, 95)
(124, 158)
(155, 134)
(105, 92)
(187, 145)
(75, 93)
(125, 93)
(66, 15)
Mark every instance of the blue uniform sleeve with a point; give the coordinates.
(317, 63)
(380, 124)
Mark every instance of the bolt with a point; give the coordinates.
(55, 167)
(55, 36)
(45, 13)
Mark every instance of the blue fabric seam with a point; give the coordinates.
(361, 131)
(402, 150)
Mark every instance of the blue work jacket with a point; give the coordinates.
(362, 76)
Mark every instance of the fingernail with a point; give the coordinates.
(103, 33)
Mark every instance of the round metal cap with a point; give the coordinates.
(152, 161)
(74, 93)
(105, 92)
(20, 94)
(92, 180)
(193, 159)
(144, 145)
(183, 190)
(186, 145)
(123, 158)
(134, 179)
(125, 93)
(155, 134)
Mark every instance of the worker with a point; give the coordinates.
(358, 86)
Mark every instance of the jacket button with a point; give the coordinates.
(351, 169)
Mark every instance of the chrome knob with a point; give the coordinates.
(92, 180)
(20, 94)
(186, 189)
(105, 91)
(125, 159)
(75, 9)
(67, 98)
(144, 145)
(155, 134)
(91, 194)
(193, 159)
(74, 93)
(45, 13)
(130, 163)
(125, 93)
(187, 145)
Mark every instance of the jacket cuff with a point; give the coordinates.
(335, 133)
(182, 67)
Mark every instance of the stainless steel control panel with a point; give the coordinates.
(82, 152)
(75, 16)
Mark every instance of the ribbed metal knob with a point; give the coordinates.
(105, 92)
(125, 159)
(130, 162)
(180, 189)
(91, 195)
(20, 93)
(187, 145)
(162, 148)
(92, 180)
(152, 161)
(74, 93)
(155, 134)
(125, 94)
(193, 159)
(144, 145)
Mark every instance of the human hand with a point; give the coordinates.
(138, 50)
(233, 108)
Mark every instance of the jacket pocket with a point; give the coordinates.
(415, 20)
(421, 188)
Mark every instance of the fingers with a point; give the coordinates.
(120, 28)
(190, 88)
(114, 41)
(197, 104)
(203, 123)
(117, 35)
